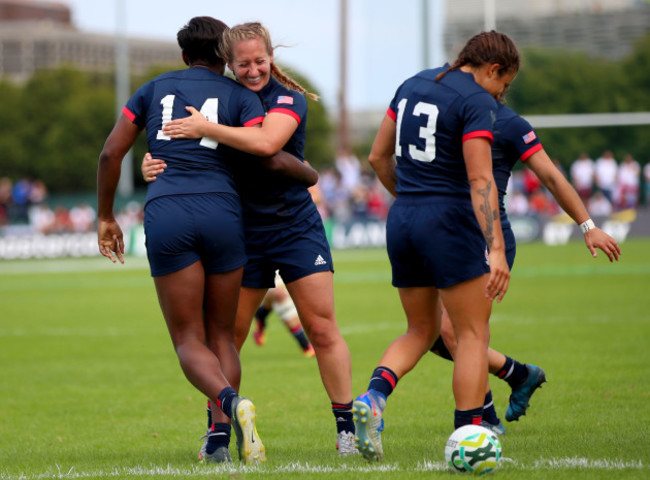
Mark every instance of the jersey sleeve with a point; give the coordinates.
(290, 103)
(522, 138)
(136, 108)
(392, 108)
(251, 110)
(479, 114)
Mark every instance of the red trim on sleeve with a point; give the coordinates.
(530, 152)
(129, 114)
(254, 121)
(286, 111)
(478, 133)
(391, 114)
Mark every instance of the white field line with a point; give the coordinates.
(69, 265)
(65, 332)
(574, 463)
(99, 263)
(399, 324)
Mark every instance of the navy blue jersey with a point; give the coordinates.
(193, 165)
(514, 140)
(433, 120)
(271, 201)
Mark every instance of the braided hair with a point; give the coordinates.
(487, 48)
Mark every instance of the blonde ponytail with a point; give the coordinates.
(289, 82)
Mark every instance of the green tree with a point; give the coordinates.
(13, 161)
(636, 69)
(70, 115)
(319, 144)
(557, 82)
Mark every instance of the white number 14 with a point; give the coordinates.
(209, 110)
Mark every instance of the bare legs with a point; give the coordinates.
(199, 310)
(249, 300)
(422, 309)
(313, 296)
(496, 359)
(314, 299)
(469, 312)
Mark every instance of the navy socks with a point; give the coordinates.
(383, 380)
(343, 415)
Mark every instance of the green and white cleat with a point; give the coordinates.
(367, 413)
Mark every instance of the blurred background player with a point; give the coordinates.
(278, 300)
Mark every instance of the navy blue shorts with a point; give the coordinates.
(183, 229)
(434, 242)
(296, 251)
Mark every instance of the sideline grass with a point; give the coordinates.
(90, 386)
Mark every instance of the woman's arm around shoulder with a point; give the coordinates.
(267, 140)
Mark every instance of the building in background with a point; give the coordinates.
(473, 9)
(601, 28)
(37, 35)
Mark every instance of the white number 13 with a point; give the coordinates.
(427, 133)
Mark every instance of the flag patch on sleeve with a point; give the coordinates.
(285, 99)
(529, 137)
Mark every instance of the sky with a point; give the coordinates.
(384, 37)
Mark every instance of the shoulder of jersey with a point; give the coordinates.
(505, 113)
(171, 74)
(287, 97)
(430, 73)
(279, 90)
(462, 83)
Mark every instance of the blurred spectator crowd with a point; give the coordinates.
(349, 191)
(25, 202)
(604, 185)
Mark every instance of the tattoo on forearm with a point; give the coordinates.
(491, 215)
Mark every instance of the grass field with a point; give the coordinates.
(90, 386)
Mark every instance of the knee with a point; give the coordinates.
(280, 295)
(474, 333)
(322, 333)
(286, 310)
(186, 352)
(427, 332)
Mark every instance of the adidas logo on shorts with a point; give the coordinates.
(319, 261)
